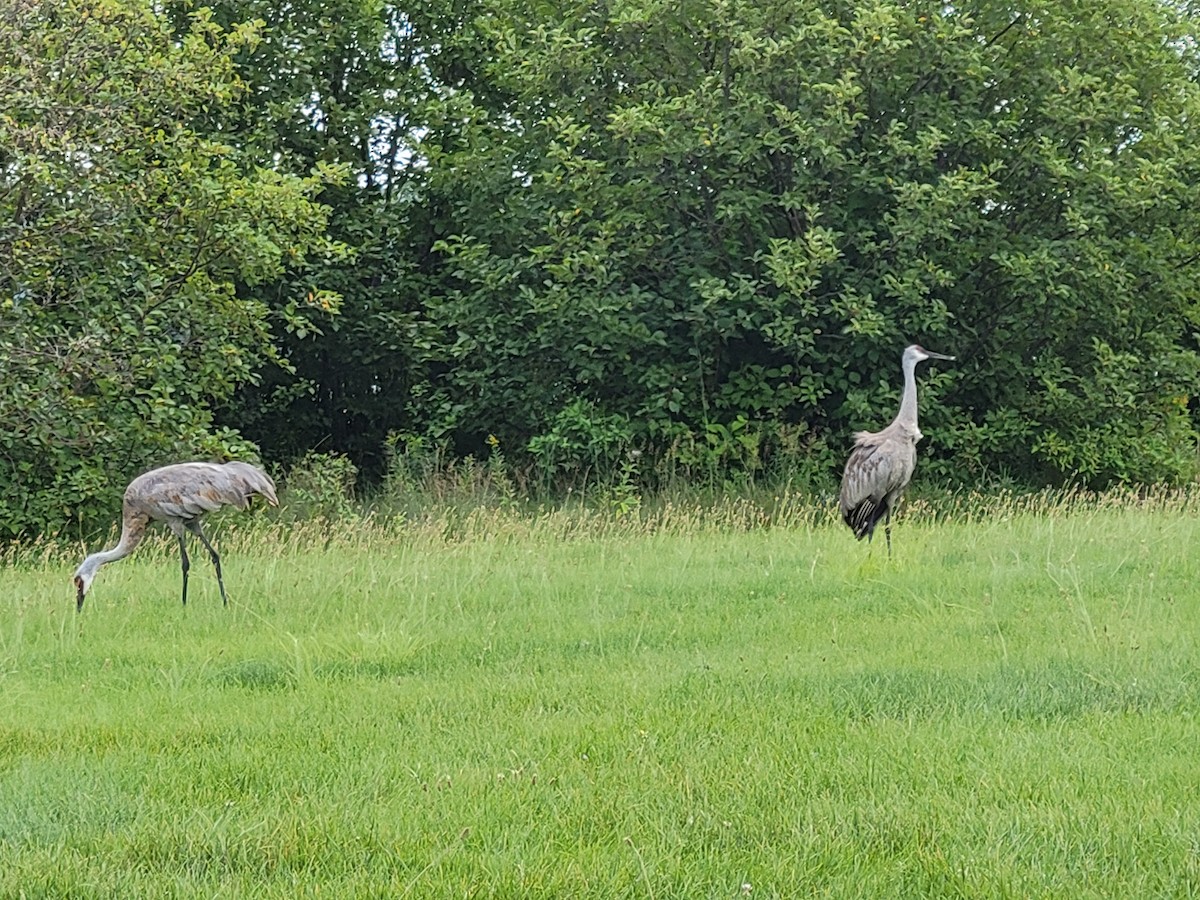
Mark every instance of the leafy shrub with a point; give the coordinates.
(321, 484)
(582, 441)
(422, 473)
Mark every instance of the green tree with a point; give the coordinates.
(340, 82)
(688, 213)
(719, 216)
(131, 242)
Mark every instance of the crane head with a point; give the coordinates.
(83, 581)
(917, 353)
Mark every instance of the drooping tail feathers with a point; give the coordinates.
(863, 518)
(253, 480)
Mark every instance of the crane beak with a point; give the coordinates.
(933, 355)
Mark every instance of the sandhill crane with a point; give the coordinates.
(178, 495)
(882, 462)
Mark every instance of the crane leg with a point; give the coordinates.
(194, 527)
(185, 563)
(887, 530)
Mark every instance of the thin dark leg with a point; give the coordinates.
(183, 557)
(216, 560)
(887, 530)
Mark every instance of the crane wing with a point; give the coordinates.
(199, 496)
(189, 490)
(879, 467)
(249, 480)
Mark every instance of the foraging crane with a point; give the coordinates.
(178, 495)
(882, 462)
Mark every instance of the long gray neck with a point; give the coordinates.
(130, 538)
(908, 403)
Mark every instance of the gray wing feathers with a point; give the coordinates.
(252, 480)
(189, 490)
(190, 506)
(879, 465)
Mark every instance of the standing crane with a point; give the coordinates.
(882, 462)
(178, 495)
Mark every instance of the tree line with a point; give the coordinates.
(697, 234)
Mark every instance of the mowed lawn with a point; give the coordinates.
(537, 707)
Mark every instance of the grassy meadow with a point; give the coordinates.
(678, 703)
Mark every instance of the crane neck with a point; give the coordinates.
(102, 557)
(908, 402)
(131, 536)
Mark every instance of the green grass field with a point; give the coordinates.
(565, 706)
